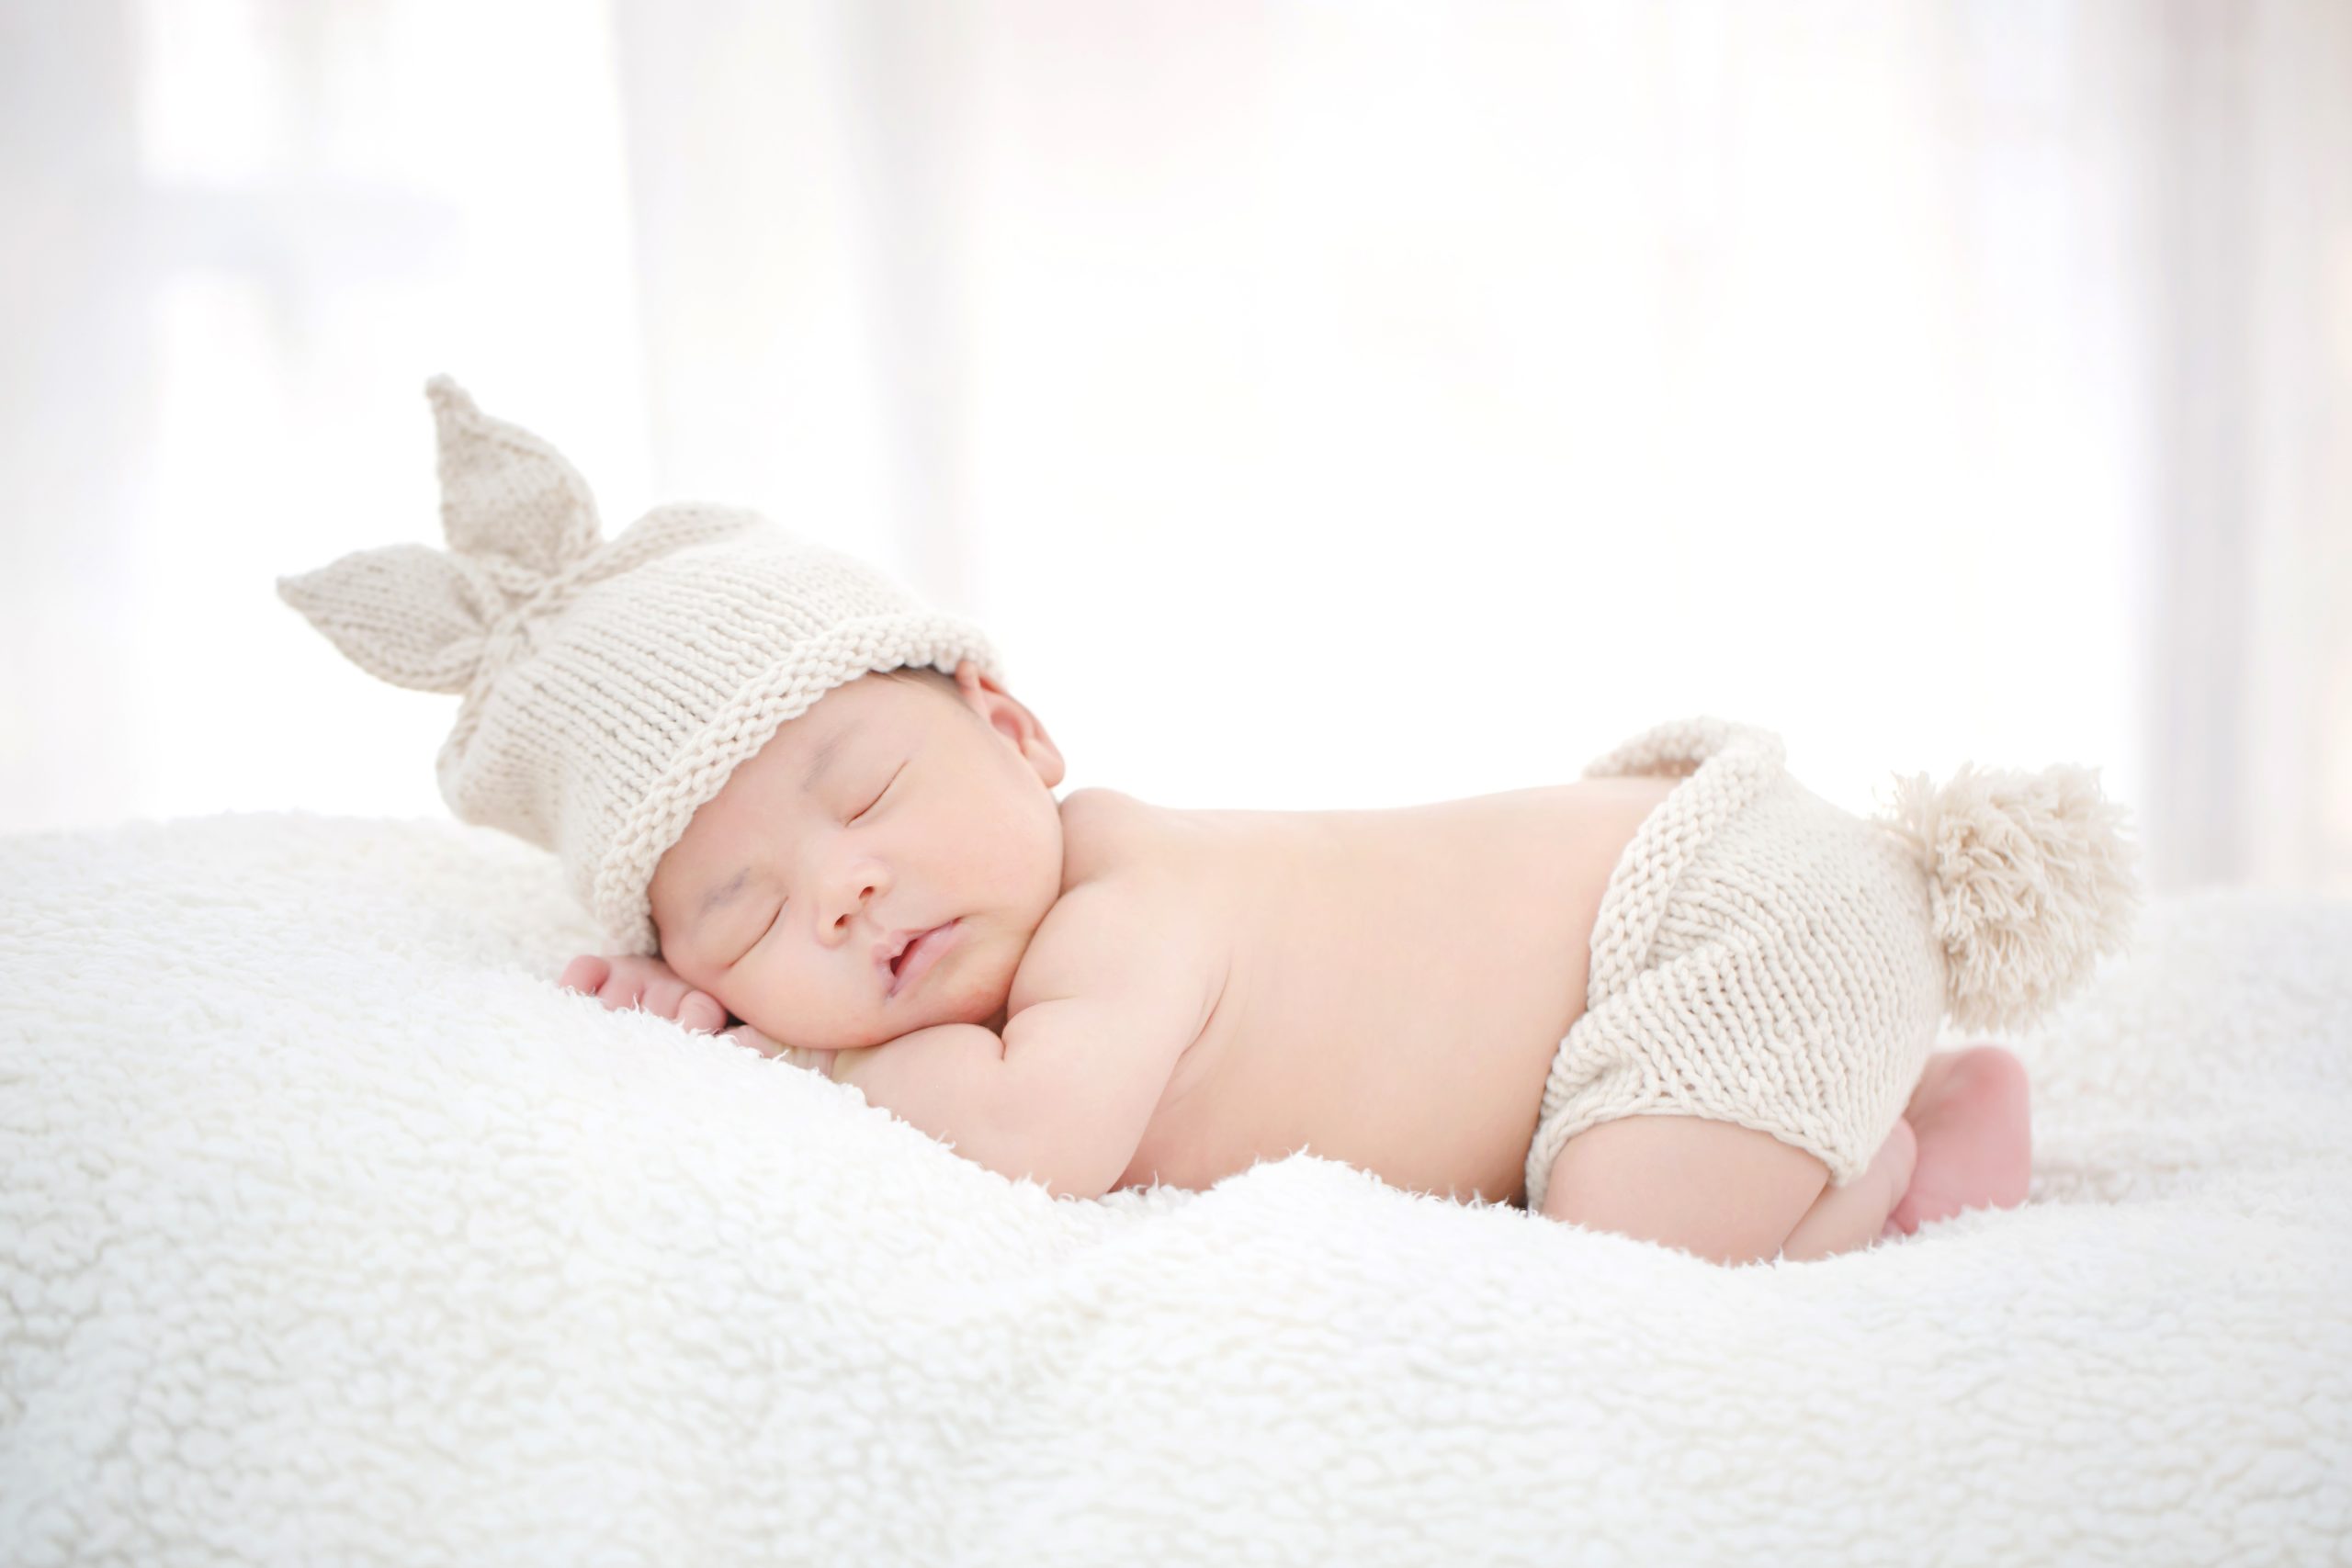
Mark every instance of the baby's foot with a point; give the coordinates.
(1971, 1117)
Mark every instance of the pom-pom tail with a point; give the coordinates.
(2032, 881)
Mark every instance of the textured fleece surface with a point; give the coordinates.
(331, 1231)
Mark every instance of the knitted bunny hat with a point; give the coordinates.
(610, 687)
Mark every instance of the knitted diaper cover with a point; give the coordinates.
(1759, 957)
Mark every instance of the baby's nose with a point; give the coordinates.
(861, 887)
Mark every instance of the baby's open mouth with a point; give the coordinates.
(919, 953)
(899, 959)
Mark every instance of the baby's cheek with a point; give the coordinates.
(807, 1028)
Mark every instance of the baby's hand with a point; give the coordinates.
(625, 982)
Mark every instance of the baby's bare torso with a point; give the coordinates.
(1389, 986)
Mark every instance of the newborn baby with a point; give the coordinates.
(1682, 998)
(1101, 992)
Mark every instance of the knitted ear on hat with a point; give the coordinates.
(518, 519)
(505, 494)
(609, 688)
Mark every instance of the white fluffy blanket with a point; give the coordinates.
(335, 1232)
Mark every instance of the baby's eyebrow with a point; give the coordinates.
(824, 757)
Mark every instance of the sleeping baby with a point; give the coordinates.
(1681, 998)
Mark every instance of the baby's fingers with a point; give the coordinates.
(696, 1009)
(629, 982)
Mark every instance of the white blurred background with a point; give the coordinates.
(1322, 405)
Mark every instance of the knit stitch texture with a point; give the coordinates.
(609, 688)
(1762, 957)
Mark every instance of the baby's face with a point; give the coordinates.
(784, 899)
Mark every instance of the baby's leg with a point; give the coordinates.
(1964, 1142)
(1851, 1216)
(1723, 1193)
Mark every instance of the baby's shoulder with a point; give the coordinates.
(1123, 921)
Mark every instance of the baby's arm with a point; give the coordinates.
(1067, 1093)
(1063, 1097)
(1070, 1117)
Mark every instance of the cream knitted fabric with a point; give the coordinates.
(1763, 958)
(610, 688)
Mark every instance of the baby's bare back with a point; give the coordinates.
(1393, 984)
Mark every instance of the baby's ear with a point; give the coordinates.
(986, 698)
